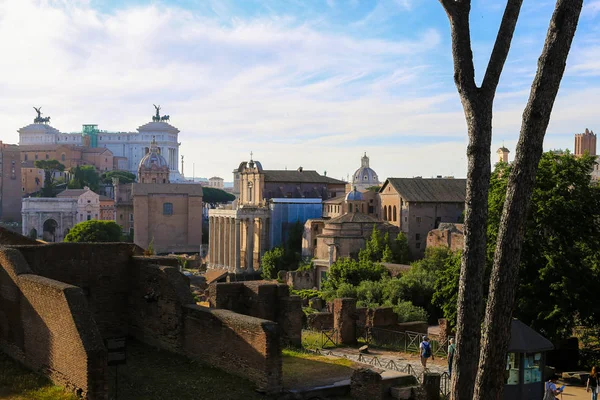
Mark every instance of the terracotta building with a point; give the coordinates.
(418, 205)
(10, 183)
(365, 202)
(32, 178)
(585, 142)
(168, 216)
(123, 206)
(107, 208)
(502, 153)
(216, 182)
(447, 235)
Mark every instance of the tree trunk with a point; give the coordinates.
(470, 293)
(478, 107)
(503, 282)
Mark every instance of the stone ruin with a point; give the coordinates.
(60, 302)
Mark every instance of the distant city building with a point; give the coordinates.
(32, 178)
(216, 182)
(10, 183)
(585, 142)
(503, 154)
(48, 219)
(127, 147)
(88, 203)
(418, 205)
(164, 215)
(270, 202)
(364, 177)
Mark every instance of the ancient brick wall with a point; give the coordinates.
(47, 325)
(101, 270)
(300, 279)
(155, 303)
(238, 344)
(382, 317)
(344, 319)
(320, 321)
(9, 238)
(261, 299)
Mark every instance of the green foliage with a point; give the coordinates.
(446, 287)
(305, 266)
(83, 176)
(347, 270)
(50, 167)
(94, 231)
(374, 247)
(272, 262)
(379, 248)
(214, 196)
(407, 312)
(400, 250)
(560, 260)
(124, 177)
(306, 293)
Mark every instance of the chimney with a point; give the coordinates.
(299, 169)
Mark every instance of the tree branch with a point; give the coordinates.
(501, 46)
(504, 278)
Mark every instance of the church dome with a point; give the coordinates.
(153, 159)
(365, 176)
(354, 195)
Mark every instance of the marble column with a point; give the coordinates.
(226, 243)
(220, 236)
(263, 240)
(237, 246)
(213, 238)
(250, 245)
(231, 244)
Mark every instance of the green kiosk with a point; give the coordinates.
(526, 359)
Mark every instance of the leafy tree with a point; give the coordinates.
(50, 167)
(478, 104)
(83, 176)
(214, 196)
(272, 262)
(374, 247)
(445, 295)
(400, 250)
(124, 177)
(94, 231)
(347, 270)
(408, 312)
(560, 263)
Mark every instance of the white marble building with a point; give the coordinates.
(48, 219)
(132, 145)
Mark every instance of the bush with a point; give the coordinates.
(353, 272)
(407, 312)
(272, 263)
(306, 293)
(95, 231)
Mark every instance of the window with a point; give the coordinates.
(167, 208)
(63, 157)
(89, 201)
(395, 212)
(26, 157)
(89, 217)
(418, 219)
(531, 368)
(121, 217)
(36, 156)
(418, 245)
(385, 213)
(47, 156)
(131, 215)
(513, 363)
(405, 219)
(418, 236)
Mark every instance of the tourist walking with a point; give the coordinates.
(593, 384)
(451, 350)
(426, 352)
(551, 391)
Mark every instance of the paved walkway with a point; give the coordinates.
(384, 361)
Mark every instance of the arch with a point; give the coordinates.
(389, 213)
(395, 212)
(49, 234)
(33, 233)
(385, 216)
(63, 157)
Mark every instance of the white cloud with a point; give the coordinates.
(291, 93)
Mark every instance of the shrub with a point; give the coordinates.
(95, 231)
(407, 312)
(306, 293)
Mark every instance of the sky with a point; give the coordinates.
(311, 83)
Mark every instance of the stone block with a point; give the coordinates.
(344, 320)
(401, 393)
(366, 384)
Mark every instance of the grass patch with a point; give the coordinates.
(19, 383)
(152, 374)
(302, 369)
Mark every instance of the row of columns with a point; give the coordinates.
(225, 242)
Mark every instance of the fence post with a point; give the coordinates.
(431, 384)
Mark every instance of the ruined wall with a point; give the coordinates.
(101, 270)
(261, 299)
(447, 235)
(155, 302)
(238, 344)
(299, 280)
(48, 326)
(8, 238)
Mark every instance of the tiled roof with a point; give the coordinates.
(433, 190)
(298, 177)
(71, 193)
(353, 217)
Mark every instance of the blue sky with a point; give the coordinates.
(300, 83)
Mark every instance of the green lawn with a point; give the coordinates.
(18, 383)
(305, 369)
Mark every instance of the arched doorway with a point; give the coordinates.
(33, 233)
(49, 234)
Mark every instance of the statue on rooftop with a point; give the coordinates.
(156, 118)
